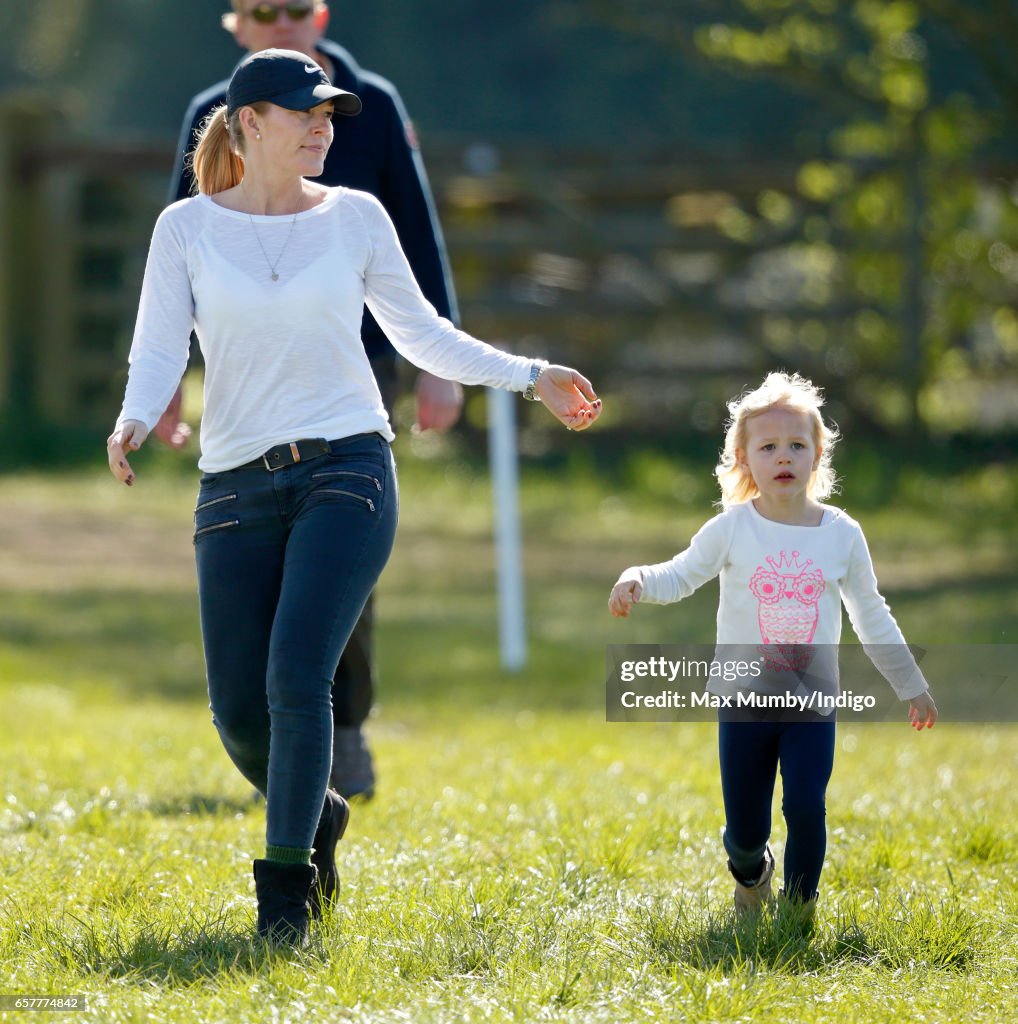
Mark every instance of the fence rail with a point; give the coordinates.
(643, 272)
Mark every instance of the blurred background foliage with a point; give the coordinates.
(533, 69)
(675, 196)
(902, 219)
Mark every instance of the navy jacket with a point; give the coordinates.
(375, 152)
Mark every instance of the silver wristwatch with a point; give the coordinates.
(530, 394)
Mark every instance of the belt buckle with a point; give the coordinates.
(294, 456)
(323, 448)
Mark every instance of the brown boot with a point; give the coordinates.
(750, 898)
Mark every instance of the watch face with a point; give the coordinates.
(530, 393)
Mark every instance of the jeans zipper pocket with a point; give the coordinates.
(350, 494)
(215, 501)
(216, 526)
(348, 472)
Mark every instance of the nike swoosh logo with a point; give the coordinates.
(310, 71)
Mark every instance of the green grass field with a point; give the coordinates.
(524, 860)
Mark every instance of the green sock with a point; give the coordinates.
(287, 855)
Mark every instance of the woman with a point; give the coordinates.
(297, 503)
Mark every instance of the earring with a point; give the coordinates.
(258, 136)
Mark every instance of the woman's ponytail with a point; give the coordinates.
(216, 161)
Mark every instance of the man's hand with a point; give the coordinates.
(439, 402)
(170, 429)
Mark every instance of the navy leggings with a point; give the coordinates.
(286, 561)
(751, 753)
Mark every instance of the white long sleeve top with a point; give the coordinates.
(284, 359)
(784, 584)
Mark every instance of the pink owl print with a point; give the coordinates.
(788, 593)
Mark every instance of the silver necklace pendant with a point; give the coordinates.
(272, 266)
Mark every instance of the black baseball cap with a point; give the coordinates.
(287, 78)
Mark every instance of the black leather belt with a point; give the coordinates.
(290, 454)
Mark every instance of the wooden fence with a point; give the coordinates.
(638, 270)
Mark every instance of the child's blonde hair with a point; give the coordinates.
(779, 390)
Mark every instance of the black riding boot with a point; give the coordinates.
(283, 891)
(331, 826)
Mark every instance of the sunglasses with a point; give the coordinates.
(268, 14)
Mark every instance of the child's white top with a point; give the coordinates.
(783, 584)
(284, 359)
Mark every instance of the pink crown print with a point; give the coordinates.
(789, 566)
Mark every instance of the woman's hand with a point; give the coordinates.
(922, 711)
(569, 397)
(128, 437)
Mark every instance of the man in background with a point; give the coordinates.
(375, 152)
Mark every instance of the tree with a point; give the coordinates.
(905, 208)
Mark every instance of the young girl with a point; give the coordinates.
(787, 562)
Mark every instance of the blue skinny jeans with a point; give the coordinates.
(286, 561)
(751, 753)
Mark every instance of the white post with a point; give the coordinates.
(502, 455)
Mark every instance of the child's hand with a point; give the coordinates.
(624, 595)
(922, 711)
